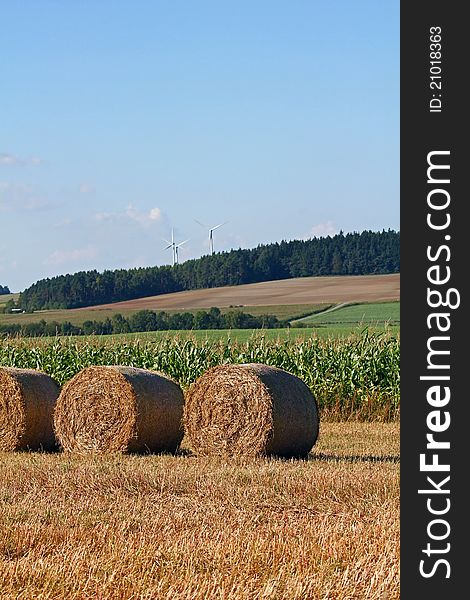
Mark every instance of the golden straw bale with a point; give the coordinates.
(119, 409)
(27, 400)
(250, 409)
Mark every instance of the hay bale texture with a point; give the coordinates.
(250, 409)
(119, 409)
(27, 400)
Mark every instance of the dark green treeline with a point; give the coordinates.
(146, 320)
(351, 254)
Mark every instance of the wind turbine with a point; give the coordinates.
(211, 237)
(174, 247)
(176, 250)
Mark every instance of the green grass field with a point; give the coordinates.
(4, 298)
(286, 312)
(373, 313)
(326, 322)
(292, 334)
(245, 335)
(77, 317)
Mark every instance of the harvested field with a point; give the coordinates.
(179, 528)
(302, 290)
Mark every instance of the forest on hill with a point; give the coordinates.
(343, 254)
(4, 290)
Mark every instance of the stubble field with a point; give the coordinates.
(183, 528)
(301, 290)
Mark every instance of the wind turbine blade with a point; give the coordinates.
(219, 225)
(181, 243)
(169, 246)
(201, 224)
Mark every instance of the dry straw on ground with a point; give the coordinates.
(117, 409)
(27, 399)
(169, 528)
(250, 409)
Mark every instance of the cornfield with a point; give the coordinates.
(355, 378)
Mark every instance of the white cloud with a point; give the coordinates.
(323, 229)
(65, 222)
(103, 216)
(85, 188)
(143, 218)
(133, 214)
(63, 257)
(10, 160)
(155, 214)
(15, 187)
(37, 204)
(15, 197)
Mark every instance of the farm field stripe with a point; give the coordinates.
(356, 378)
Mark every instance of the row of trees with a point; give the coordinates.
(352, 254)
(145, 320)
(4, 290)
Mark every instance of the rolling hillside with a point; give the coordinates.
(302, 290)
(367, 253)
(294, 300)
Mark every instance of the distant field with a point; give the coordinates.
(77, 317)
(376, 313)
(300, 291)
(341, 322)
(244, 335)
(288, 299)
(282, 311)
(4, 298)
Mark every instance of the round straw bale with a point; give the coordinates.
(27, 399)
(119, 409)
(250, 409)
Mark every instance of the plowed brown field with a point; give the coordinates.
(302, 290)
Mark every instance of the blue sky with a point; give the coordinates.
(120, 120)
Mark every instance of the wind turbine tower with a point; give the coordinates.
(176, 250)
(211, 236)
(174, 247)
